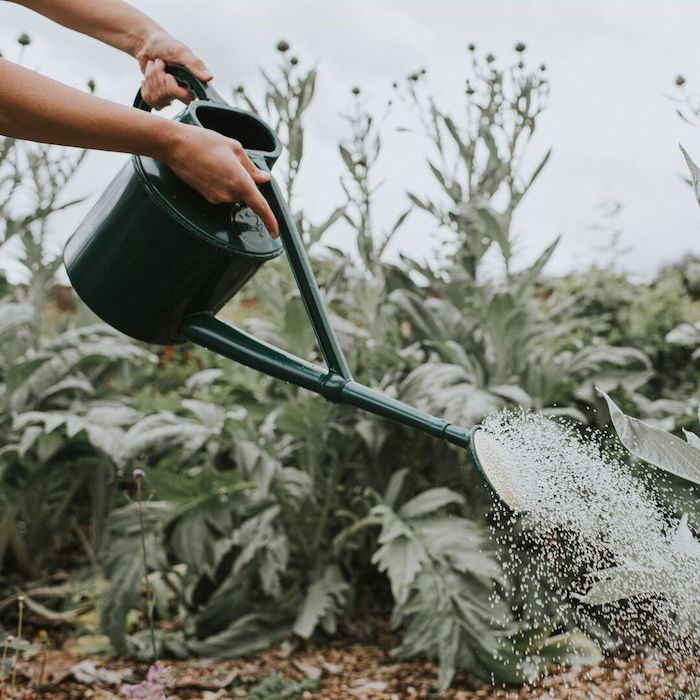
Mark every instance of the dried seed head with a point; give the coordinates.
(471, 47)
(520, 47)
(356, 90)
(91, 85)
(680, 80)
(23, 39)
(282, 46)
(294, 60)
(490, 58)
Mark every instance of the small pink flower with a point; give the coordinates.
(138, 474)
(159, 677)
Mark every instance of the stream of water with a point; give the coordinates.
(584, 512)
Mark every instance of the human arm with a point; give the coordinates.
(37, 108)
(125, 28)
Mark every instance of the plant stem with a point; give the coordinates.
(5, 647)
(20, 600)
(149, 590)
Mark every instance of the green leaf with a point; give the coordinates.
(429, 501)
(13, 315)
(347, 158)
(245, 635)
(324, 599)
(570, 649)
(692, 438)
(694, 172)
(393, 489)
(537, 171)
(620, 583)
(427, 206)
(400, 558)
(203, 379)
(527, 278)
(655, 446)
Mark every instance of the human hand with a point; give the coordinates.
(160, 88)
(219, 169)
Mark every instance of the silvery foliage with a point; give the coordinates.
(658, 575)
(658, 448)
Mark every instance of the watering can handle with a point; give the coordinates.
(305, 279)
(185, 78)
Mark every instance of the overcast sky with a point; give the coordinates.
(612, 128)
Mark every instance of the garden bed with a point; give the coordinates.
(361, 669)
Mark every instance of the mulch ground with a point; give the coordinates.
(342, 670)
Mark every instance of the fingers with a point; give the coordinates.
(254, 199)
(176, 91)
(252, 196)
(258, 175)
(160, 88)
(196, 66)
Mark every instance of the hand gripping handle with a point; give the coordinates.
(185, 78)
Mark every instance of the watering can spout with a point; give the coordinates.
(208, 331)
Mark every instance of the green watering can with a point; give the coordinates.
(156, 261)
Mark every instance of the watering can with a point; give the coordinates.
(155, 260)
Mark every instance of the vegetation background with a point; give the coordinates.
(266, 513)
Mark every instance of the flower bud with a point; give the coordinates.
(23, 39)
(282, 46)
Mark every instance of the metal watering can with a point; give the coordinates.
(156, 261)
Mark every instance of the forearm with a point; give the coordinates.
(37, 108)
(114, 22)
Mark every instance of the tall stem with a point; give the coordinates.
(149, 590)
(20, 600)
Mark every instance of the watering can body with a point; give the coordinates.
(153, 250)
(156, 261)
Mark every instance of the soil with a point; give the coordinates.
(341, 670)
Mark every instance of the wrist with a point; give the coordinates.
(168, 139)
(139, 40)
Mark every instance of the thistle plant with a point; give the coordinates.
(288, 96)
(478, 157)
(360, 153)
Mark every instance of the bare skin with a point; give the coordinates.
(37, 108)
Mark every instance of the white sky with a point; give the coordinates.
(613, 131)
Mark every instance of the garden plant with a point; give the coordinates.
(183, 506)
